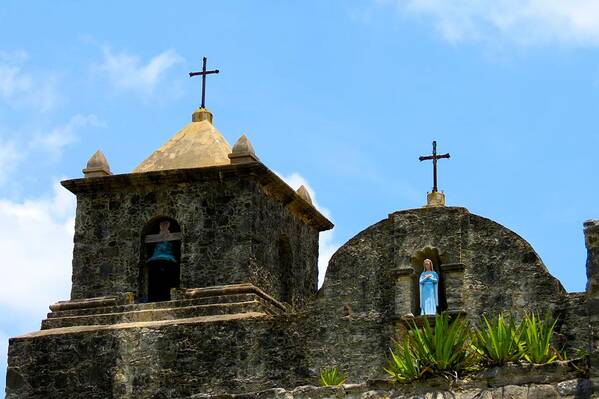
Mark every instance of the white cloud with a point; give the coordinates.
(327, 244)
(19, 146)
(36, 242)
(127, 72)
(19, 87)
(526, 22)
(54, 140)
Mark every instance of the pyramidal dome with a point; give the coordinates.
(199, 144)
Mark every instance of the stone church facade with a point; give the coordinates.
(196, 275)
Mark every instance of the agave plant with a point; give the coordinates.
(404, 366)
(498, 341)
(536, 337)
(330, 377)
(444, 348)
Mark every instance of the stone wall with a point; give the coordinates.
(244, 357)
(163, 360)
(230, 232)
(591, 233)
(360, 307)
(350, 323)
(273, 227)
(501, 270)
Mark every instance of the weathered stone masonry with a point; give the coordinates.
(246, 319)
(230, 230)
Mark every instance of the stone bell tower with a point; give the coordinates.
(213, 215)
(200, 242)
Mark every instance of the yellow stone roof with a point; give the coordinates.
(199, 144)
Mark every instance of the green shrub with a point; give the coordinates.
(330, 377)
(536, 338)
(452, 347)
(403, 366)
(498, 341)
(444, 348)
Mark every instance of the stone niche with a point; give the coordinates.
(234, 224)
(450, 286)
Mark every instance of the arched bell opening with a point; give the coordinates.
(161, 256)
(285, 268)
(417, 264)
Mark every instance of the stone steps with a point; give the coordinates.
(153, 314)
(154, 305)
(186, 303)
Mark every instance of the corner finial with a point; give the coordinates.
(97, 166)
(304, 194)
(243, 151)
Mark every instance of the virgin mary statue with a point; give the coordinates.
(429, 293)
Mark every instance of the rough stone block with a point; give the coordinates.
(542, 392)
(514, 392)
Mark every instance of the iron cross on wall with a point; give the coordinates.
(203, 73)
(434, 157)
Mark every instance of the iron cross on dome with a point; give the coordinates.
(203, 73)
(434, 158)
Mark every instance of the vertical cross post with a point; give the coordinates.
(203, 73)
(434, 158)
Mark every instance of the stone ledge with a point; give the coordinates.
(143, 324)
(560, 379)
(418, 320)
(87, 303)
(230, 289)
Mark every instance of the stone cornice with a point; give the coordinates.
(271, 184)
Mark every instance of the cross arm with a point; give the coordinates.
(192, 74)
(162, 237)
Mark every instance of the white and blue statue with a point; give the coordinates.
(429, 289)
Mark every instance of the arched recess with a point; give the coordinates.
(417, 263)
(285, 268)
(160, 259)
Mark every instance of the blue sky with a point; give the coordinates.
(341, 95)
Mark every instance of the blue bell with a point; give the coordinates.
(163, 252)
